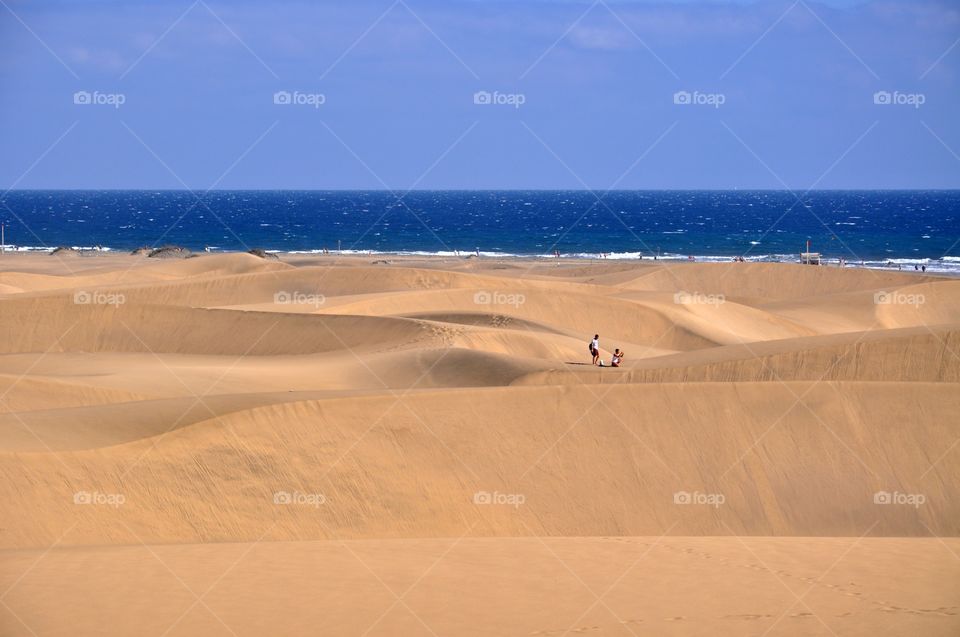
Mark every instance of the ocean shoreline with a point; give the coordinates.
(947, 266)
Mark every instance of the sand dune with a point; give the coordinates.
(815, 587)
(905, 354)
(789, 459)
(59, 324)
(767, 280)
(230, 409)
(25, 394)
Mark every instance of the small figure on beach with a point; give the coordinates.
(595, 348)
(478, 252)
(616, 358)
(923, 268)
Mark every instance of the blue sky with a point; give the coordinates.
(783, 94)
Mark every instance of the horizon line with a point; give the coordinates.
(405, 192)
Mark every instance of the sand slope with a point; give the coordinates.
(815, 587)
(411, 468)
(225, 407)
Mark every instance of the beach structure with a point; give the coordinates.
(808, 257)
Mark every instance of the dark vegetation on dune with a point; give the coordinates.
(170, 252)
(263, 254)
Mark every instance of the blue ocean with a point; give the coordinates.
(872, 228)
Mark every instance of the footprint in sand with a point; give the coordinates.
(674, 619)
(945, 611)
(800, 615)
(747, 616)
(561, 631)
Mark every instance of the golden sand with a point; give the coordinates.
(328, 446)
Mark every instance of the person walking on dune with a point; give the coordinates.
(595, 348)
